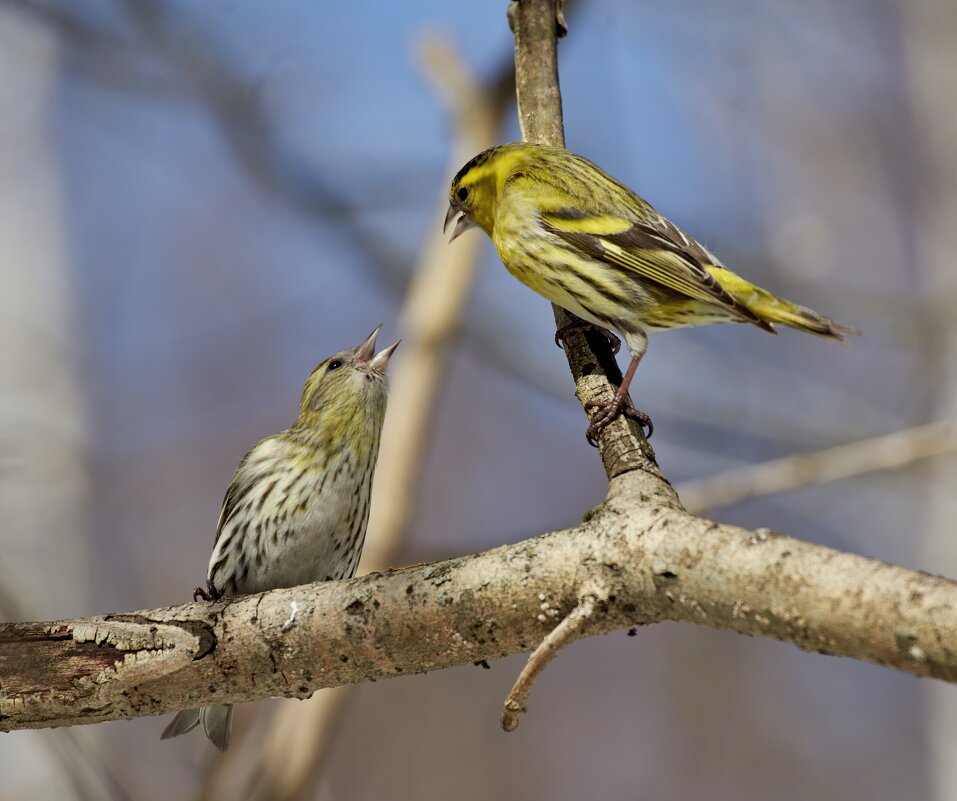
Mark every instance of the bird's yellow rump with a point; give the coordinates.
(587, 242)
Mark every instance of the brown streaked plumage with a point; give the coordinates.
(297, 507)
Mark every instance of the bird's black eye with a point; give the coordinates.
(462, 193)
(335, 364)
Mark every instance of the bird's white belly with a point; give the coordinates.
(310, 528)
(316, 546)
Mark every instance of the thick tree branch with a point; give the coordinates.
(646, 561)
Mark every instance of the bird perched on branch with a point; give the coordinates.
(586, 242)
(297, 507)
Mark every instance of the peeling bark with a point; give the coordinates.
(645, 562)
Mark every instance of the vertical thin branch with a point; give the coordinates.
(537, 24)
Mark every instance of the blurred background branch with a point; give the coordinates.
(931, 69)
(290, 755)
(889, 452)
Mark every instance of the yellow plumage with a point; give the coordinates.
(588, 243)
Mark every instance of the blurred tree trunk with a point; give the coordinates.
(42, 479)
(933, 80)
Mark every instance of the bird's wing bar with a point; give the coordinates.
(656, 252)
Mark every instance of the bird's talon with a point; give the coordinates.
(641, 418)
(608, 412)
(200, 594)
(613, 342)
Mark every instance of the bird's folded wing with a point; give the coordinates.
(654, 251)
(234, 492)
(248, 479)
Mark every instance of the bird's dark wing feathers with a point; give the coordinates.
(238, 488)
(656, 251)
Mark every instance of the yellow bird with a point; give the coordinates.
(588, 243)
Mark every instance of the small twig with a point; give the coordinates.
(547, 650)
(888, 452)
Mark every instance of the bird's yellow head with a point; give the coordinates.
(346, 385)
(476, 188)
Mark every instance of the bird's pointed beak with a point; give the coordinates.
(381, 360)
(465, 222)
(367, 348)
(449, 216)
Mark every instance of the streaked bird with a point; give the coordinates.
(297, 507)
(588, 243)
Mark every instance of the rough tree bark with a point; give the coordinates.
(640, 558)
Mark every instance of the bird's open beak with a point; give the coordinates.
(367, 348)
(381, 360)
(465, 222)
(367, 357)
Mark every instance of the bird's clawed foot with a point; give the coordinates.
(613, 342)
(608, 412)
(199, 593)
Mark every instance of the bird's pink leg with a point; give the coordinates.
(619, 405)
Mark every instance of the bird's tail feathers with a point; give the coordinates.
(805, 319)
(185, 721)
(772, 309)
(217, 722)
